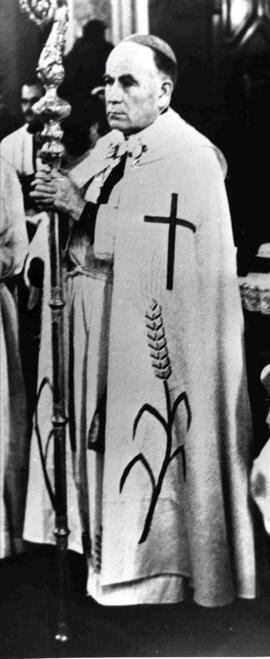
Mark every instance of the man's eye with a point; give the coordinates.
(108, 81)
(127, 83)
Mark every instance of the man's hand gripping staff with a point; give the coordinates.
(53, 189)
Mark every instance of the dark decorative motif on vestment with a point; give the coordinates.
(162, 368)
(173, 221)
(44, 451)
(96, 553)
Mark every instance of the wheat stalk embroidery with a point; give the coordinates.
(162, 367)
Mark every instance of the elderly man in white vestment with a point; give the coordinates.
(162, 423)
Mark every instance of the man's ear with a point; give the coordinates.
(166, 90)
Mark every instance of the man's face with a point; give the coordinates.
(30, 95)
(133, 88)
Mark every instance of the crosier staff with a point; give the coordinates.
(52, 110)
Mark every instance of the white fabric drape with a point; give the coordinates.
(13, 446)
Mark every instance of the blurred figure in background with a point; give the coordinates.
(13, 440)
(85, 63)
(83, 128)
(20, 148)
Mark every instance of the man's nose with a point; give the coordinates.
(114, 93)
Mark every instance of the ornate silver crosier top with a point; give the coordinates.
(50, 108)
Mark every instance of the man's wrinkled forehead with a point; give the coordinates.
(128, 57)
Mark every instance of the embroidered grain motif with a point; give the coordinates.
(161, 363)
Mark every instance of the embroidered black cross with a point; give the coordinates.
(172, 221)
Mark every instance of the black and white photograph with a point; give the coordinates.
(134, 328)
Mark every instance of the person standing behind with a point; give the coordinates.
(20, 149)
(13, 439)
(82, 129)
(85, 63)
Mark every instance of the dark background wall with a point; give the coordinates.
(223, 50)
(187, 25)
